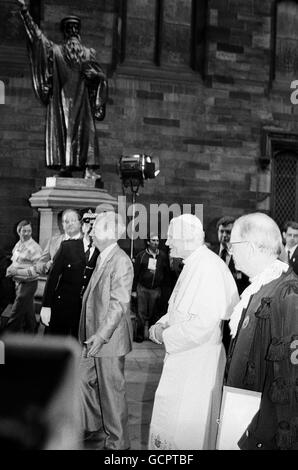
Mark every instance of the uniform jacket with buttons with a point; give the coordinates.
(106, 305)
(67, 280)
(264, 358)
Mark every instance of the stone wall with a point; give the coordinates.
(206, 133)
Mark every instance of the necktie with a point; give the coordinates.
(289, 256)
(223, 254)
(87, 252)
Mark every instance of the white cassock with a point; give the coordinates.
(187, 400)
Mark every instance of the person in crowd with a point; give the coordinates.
(67, 280)
(264, 325)
(25, 255)
(7, 288)
(186, 404)
(106, 336)
(224, 227)
(151, 272)
(290, 235)
(71, 230)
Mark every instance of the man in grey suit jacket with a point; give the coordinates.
(105, 332)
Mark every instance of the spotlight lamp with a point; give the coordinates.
(135, 169)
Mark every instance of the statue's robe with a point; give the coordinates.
(73, 101)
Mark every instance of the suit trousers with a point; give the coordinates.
(22, 313)
(147, 307)
(103, 400)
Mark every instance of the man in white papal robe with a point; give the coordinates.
(187, 400)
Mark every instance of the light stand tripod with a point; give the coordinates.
(134, 185)
(133, 170)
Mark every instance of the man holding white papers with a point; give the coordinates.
(264, 355)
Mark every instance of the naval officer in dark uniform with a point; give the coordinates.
(67, 281)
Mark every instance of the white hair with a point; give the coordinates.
(111, 224)
(261, 230)
(187, 227)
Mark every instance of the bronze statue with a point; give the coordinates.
(69, 81)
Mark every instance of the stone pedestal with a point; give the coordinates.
(63, 193)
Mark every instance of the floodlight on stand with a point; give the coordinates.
(133, 170)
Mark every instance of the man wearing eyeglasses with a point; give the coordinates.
(264, 326)
(224, 228)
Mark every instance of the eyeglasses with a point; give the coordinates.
(230, 245)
